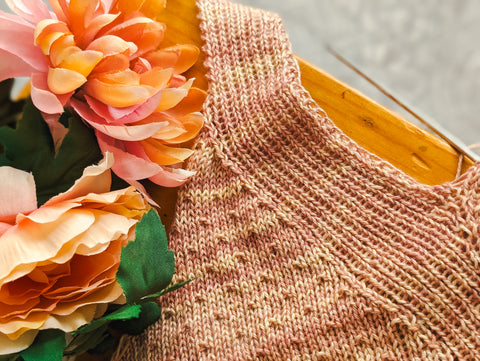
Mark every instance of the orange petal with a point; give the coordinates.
(156, 77)
(48, 26)
(112, 63)
(192, 123)
(110, 45)
(95, 26)
(82, 62)
(80, 13)
(118, 95)
(164, 155)
(171, 131)
(48, 40)
(180, 57)
(62, 48)
(62, 81)
(126, 77)
(172, 96)
(143, 32)
(193, 102)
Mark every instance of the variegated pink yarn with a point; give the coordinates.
(303, 245)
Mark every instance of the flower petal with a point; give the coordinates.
(193, 102)
(125, 77)
(112, 63)
(72, 321)
(156, 77)
(169, 177)
(95, 26)
(164, 155)
(110, 45)
(11, 66)
(21, 248)
(13, 27)
(62, 48)
(64, 81)
(127, 165)
(149, 8)
(122, 132)
(95, 179)
(57, 129)
(46, 42)
(126, 115)
(43, 98)
(173, 96)
(8, 346)
(17, 193)
(82, 62)
(118, 95)
(31, 10)
(80, 13)
(142, 31)
(192, 123)
(60, 8)
(179, 57)
(173, 130)
(4, 227)
(44, 30)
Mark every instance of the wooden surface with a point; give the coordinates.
(416, 152)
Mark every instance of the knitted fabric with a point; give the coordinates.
(303, 245)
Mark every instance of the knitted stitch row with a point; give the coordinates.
(303, 245)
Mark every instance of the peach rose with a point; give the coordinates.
(58, 262)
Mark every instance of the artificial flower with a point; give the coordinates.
(58, 262)
(102, 58)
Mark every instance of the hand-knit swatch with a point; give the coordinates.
(303, 245)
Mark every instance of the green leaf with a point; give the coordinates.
(30, 147)
(150, 314)
(125, 312)
(106, 343)
(172, 288)
(146, 265)
(48, 346)
(86, 341)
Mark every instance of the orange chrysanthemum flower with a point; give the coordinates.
(103, 59)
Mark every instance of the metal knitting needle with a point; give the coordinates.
(432, 124)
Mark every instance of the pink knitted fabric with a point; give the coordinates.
(305, 246)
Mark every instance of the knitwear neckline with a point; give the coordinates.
(302, 244)
(286, 66)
